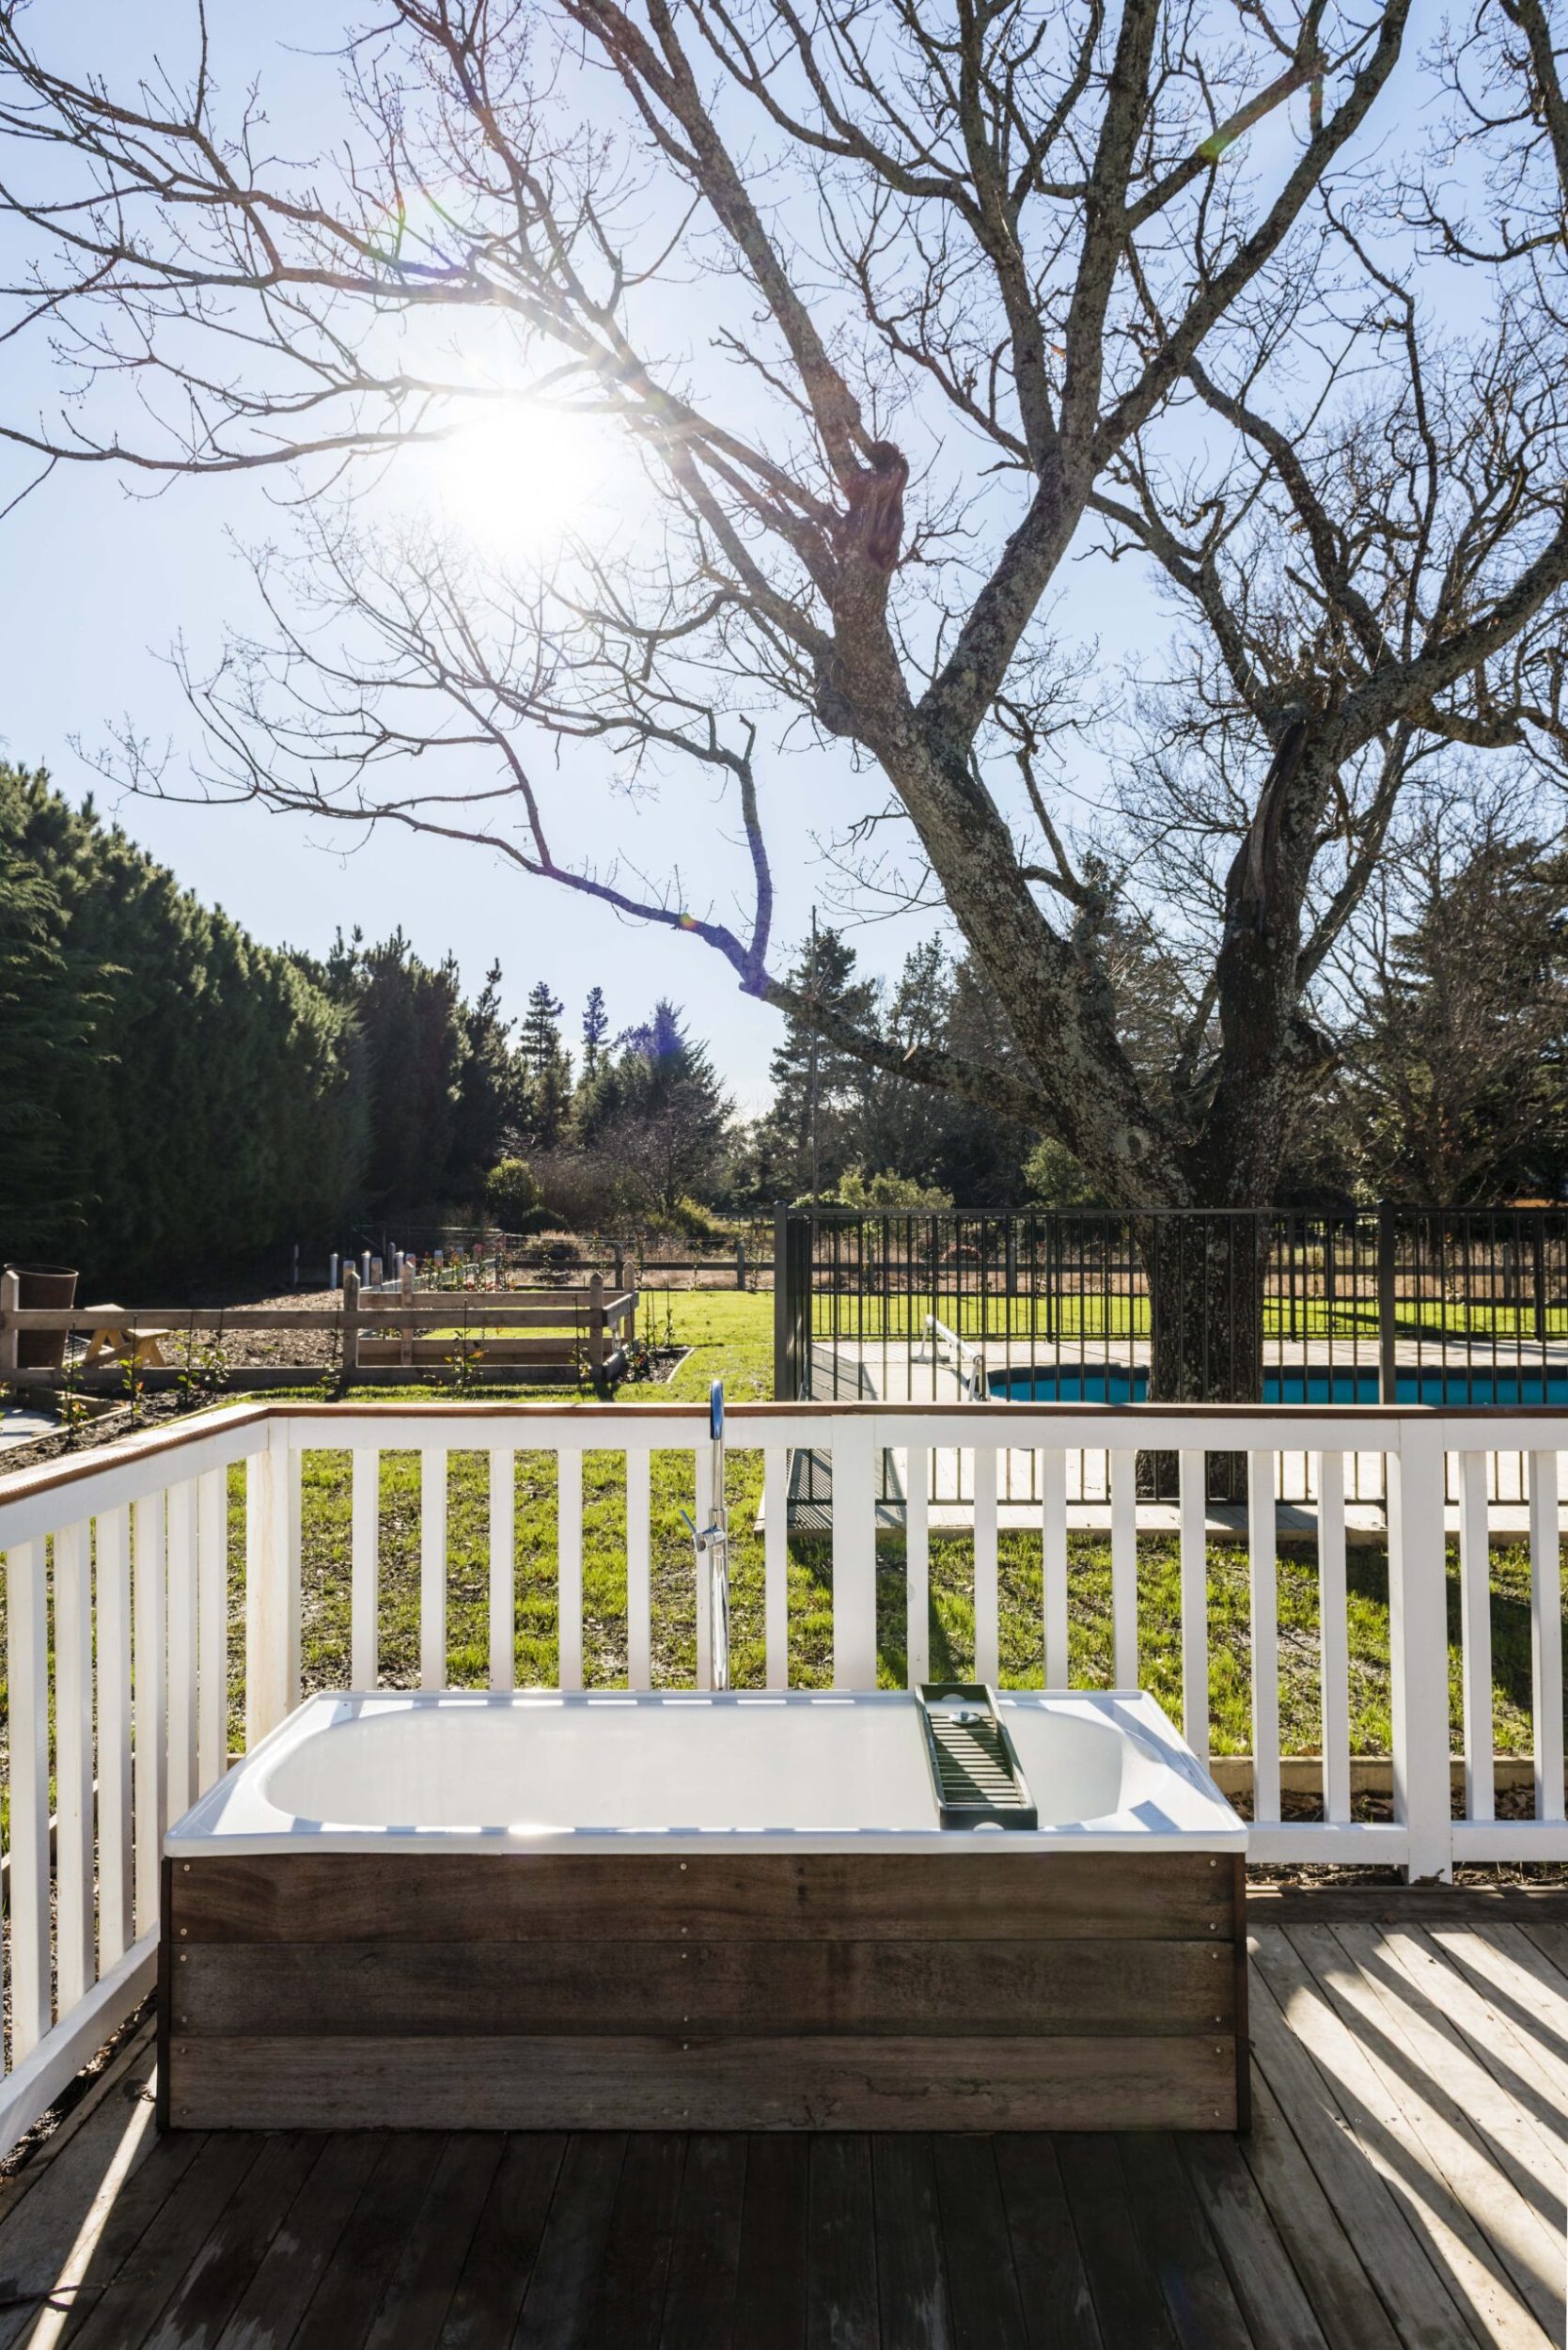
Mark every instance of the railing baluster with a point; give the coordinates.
(73, 1764)
(1475, 1605)
(272, 1485)
(775, 1564)
(112, 1545)
(148, 1699)
(639, 1595)
(1418, 1650)
(365, 1568)
(433, 1567)
(212, 1627)
(1124, 1499)
(1263, 1577)
(853, 1554)
(28, 1689)
(503, 1568)
(1333, 1635)
(987, 1613)
(1545, 1635)
(917, 1563)
(182, 1647)
(1053, 1554)
(1195, 1603)
(569, 1551)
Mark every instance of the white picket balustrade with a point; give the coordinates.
(129, 1570)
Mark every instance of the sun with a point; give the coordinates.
(525, 477)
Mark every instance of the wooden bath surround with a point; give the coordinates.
(964, 1990)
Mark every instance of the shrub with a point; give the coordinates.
(513, 1197)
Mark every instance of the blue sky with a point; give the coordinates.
(104, 578)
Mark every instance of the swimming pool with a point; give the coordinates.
(1294, 1383)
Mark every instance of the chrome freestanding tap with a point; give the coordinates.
(711, 1543)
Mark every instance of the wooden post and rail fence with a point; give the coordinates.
(384, 1337)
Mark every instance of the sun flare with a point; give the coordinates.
(524, 478)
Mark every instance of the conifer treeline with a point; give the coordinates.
(171, 1093)
(175, 1097)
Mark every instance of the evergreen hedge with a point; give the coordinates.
(173, 1095)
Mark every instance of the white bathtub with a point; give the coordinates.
(684, 1772)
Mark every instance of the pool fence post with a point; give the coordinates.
(782, 1392)
(10, 1299)
(1387, 1239)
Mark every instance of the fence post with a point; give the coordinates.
(782, 1391)
(272, 1584)
(351, 1322)
(11, 1298)
(596, 1329)
(1418, 1652)
(1537, 1274)
(332, 1271)
(740, 1264)
(1388, 1305)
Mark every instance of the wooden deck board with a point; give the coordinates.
(1403, 2186)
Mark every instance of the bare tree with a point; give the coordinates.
(1002, 235)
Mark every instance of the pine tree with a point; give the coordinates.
(410, 1020)
(596, 1027)
(673, 1109)
(484, 1105)
(824, 973)
(543, 1069)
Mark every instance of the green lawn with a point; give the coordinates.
(974, 1315)
(730, 1333)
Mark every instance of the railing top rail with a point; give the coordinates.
(1278, 1426)
(128, 1453)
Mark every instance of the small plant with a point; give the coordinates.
(203, 1374)
(132, 1384)
(465, 1358)
(71, 1402)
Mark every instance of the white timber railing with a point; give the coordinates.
(154, 1607)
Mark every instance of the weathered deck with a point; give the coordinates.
(1403, 2186)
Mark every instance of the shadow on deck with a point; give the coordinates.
(1403, 2186)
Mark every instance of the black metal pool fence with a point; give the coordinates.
(1387, 1304)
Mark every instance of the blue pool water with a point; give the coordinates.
(1300, 1383)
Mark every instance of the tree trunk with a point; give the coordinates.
(1206, 1275)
